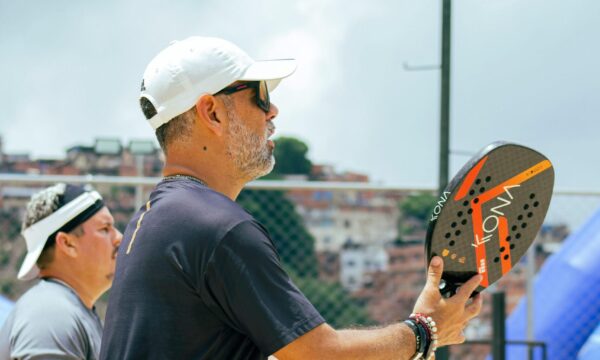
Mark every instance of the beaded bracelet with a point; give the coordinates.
(431, 327)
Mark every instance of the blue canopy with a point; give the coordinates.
(591, 349)
(566, 298)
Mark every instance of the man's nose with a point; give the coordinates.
(273, 112)
(118, 237)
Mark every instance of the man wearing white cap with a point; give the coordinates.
(200, 278)
(71, 248)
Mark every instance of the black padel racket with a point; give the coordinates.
(489, 214)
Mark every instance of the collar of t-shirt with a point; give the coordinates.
(60, 282)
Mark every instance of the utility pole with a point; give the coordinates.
(445, 97)
(444, 353)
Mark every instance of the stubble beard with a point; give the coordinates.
(249, 151)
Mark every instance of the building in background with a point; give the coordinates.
(359, 262)
(355, 227)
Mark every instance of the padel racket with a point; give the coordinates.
(489, 214)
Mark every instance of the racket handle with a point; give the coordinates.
(449, 289)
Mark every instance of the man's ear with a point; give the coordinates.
(208, 109)
(66, 244)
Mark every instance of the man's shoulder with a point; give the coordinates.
(47, 307)
(185, 203)
(46, 318)
(48, 299)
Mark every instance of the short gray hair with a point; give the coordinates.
(42, 204)
(178, 128)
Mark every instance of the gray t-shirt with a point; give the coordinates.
(50, 322)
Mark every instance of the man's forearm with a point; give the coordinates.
(391, 342)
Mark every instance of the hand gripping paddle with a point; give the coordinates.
(489, 214)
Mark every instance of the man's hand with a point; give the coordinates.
(396, 341)
(452, 314)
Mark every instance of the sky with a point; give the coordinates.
(524, 71)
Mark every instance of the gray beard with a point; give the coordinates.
(249, 152)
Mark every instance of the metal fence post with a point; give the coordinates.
(498, 327)
(530, 300)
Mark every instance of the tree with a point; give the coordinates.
(291, 157)
(333, 302)
(297, 251)
(418, 206)
(414, 213)
(295, 244)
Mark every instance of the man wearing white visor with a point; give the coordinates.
(71, 247)
(198, 277)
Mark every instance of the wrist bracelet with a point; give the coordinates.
(420, 340)
(427, 339)
(430, 325)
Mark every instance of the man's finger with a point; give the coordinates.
(459, 339)
(474, 307)
(434, 273)
(467, 288)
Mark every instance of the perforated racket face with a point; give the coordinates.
(489, 214)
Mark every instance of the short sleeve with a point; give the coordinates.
(255, 294)
(54, 337)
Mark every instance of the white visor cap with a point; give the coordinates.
(190, 68)
(37, 234)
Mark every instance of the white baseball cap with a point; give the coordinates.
(176, 78)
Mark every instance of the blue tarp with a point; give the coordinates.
(591, 349)
(566, 298)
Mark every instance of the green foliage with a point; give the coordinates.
(114, 192)
(4, 258)
(290, 155)
(333, 302)
(418, 206)
(414, 214)
(14, 230)
(7, 287)
(9, 225)
(409, 227)
(20, 261)
(277, 213)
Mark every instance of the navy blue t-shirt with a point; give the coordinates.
(199, 278)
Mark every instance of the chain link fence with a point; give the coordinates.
(355, 250)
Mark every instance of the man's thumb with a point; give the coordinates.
(434, 273)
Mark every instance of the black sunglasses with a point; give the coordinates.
(260, 90)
